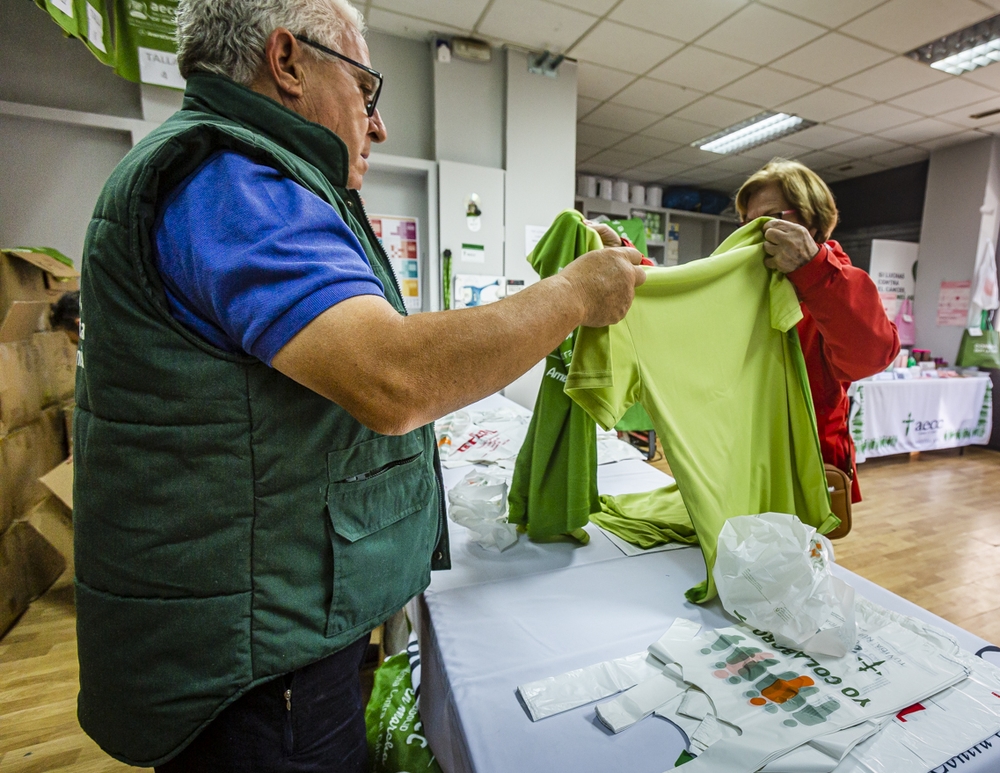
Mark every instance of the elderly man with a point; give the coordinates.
(257, 479)
(844, 332)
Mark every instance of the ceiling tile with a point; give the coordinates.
(651, 147)
(698, 68)
(710, 173)
(598, 82)
(902, 157)
(681, 19)
(583, 152)
(552, 27)
(942, 97)
(462, 14)
(875, 118)
(829, 14)
(963, 115)
(988, 76)
(592, 167)
(618, 159)
(779, 33)
(825, 104)
(596, 7)
(823, 159)
(691, 156)
(622, 118)
(900, 25)
(892, 79)
(866, 146)
(776, 149)
(858, 168)
(599, 136)
(638, 175)
(822, 136)
(664, 167)
(584, 105)
(741, 163)
(678, 130)
(408, 26)
(624, 48)
(657, 96)
(767, 88)
(717, 111)
(959, 138)
(832, 57)
(920, 131)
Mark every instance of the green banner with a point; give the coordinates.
(145, 48)
(95, 28)
(63, 13)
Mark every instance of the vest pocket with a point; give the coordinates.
(382, 503)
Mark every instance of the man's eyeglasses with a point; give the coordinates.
(373, 90)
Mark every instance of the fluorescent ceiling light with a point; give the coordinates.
(755, 131)
(962, 51)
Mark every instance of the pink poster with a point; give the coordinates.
(953, 303)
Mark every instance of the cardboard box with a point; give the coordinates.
(28, 567)
(20, 385)
(54, 521)
(25, 455)
(59, 480)
(31, 278)
(58, 361)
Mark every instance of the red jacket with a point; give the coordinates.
(845, 336)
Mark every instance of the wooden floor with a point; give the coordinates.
(929, 530)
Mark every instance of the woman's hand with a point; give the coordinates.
(789, 245)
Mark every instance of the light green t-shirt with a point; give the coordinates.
(709, 348)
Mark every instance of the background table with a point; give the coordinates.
(921, 414)
(497, 620)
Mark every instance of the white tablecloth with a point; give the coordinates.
(922, 414)
(497, 620)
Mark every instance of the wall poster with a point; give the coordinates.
(398, 236)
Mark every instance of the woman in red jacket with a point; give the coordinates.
(845, 333)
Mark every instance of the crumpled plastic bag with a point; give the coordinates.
(773, 572)
(479, 503)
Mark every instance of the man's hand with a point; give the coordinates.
(789, 245)
(605, 281)
(608, 236)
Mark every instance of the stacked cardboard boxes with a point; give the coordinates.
(37, 373)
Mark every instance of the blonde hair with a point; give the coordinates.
(802, 188)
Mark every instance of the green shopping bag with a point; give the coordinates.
(983, 351)
(396, 741)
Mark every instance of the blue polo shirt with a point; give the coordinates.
(249, 257)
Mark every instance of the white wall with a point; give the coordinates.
(407, 100)
(469, 110)
(957, 182)
(541, 171)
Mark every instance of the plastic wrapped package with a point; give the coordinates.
(479, 503)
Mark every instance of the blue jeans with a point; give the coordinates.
(321, 727)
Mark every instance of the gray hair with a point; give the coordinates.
(228, 37)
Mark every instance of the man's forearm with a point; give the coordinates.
(396, 373)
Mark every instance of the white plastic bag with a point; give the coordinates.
(773, 572)
(479, 503)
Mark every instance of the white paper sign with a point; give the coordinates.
(473, 253)
(159, 68)
(95, 28)
(953, 303)
(532, 235)
(66, 6)
(398, 236)
(892, 271)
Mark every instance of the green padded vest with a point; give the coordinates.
(231, 525)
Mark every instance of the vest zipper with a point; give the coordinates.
(380, 471)
(375, 243)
